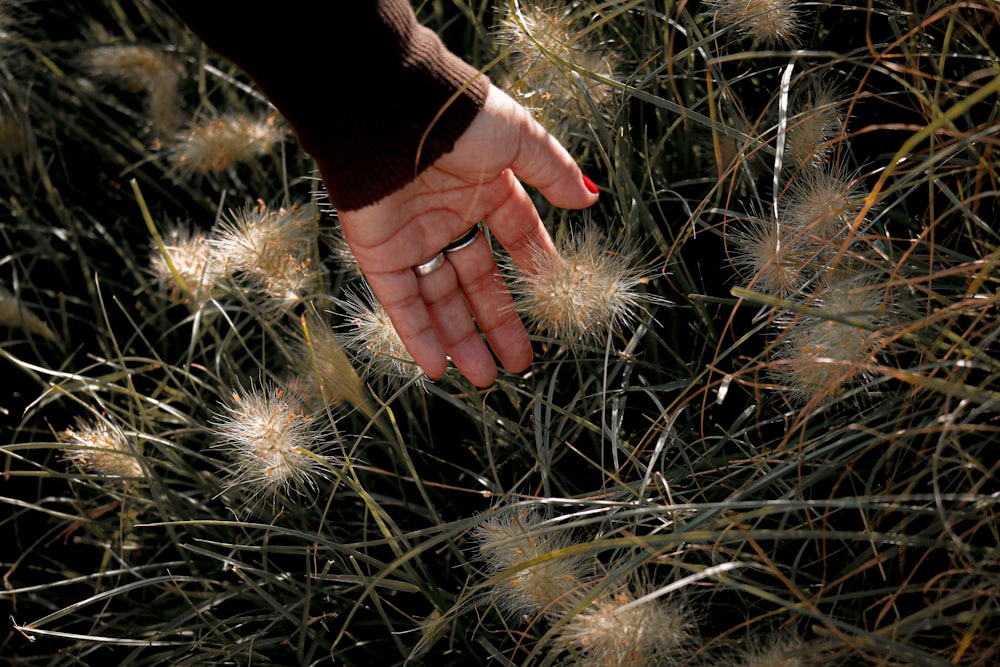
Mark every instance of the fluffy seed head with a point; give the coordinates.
(770, 256)
(623, 629)
(818, 119)
(217, 145)
(191, 269)
(773, 653)
(141, 69)
(324, 374)
(14, 314)
(269, 251)
(523, 554)
(822, 203)
(592, 286)
(102, 448)
(337, 244)
(370, 334)
(765, 22)
(546, 44)
(817, 357)
(274, 447)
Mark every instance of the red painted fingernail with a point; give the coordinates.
(589, 184)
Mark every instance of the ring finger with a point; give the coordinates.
(442, 293)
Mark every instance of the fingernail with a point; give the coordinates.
(589, 184)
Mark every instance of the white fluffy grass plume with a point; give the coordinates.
(592, 287)
(275, 448)
(102, 448)
(221, 143)
(766, 23)
(371, 336)
(524, 554)
(270, 251)
(623, 629)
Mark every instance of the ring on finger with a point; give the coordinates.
(463, 241)
(430, 266)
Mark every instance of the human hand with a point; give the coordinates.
(436, 314)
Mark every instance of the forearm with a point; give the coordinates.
(398, 100)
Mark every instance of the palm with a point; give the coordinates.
(437, 314)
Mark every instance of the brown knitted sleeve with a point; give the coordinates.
(373, 96)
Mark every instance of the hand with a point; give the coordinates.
(437, 314)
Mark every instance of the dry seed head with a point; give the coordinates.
(622, 629)
(102, 448)
(370, 334)
(592, 286)
(324, 374)
(269, 251)
(773, 653)
(523, 554)
(142, 69)
(273, 446)
(217, 145)
(546, 44)
(770, 256)
(337, 244)
(817, 357)
(14, 314)
(818, 119)
(190, 254)
(765, 23)
(822, 203)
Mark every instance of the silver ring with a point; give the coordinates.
(430, 266)
(463, 241)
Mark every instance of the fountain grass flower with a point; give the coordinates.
(274, 447)
(221, 143)
(816, 356)
(765, 23)
(324, 374)
(186, 267)
(592, 286)
(623, 629)
(525, 557)
(770, 256)
(270, 251)
(142, 69)
(818, 119)
(371, 336)
(102, 448)
(546, 43)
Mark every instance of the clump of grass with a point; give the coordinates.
(795, 463)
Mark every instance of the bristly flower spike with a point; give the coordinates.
(590, 288)
(524, 555)
(274, 447)
(102, 448)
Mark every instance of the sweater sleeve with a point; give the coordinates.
(374, 97)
